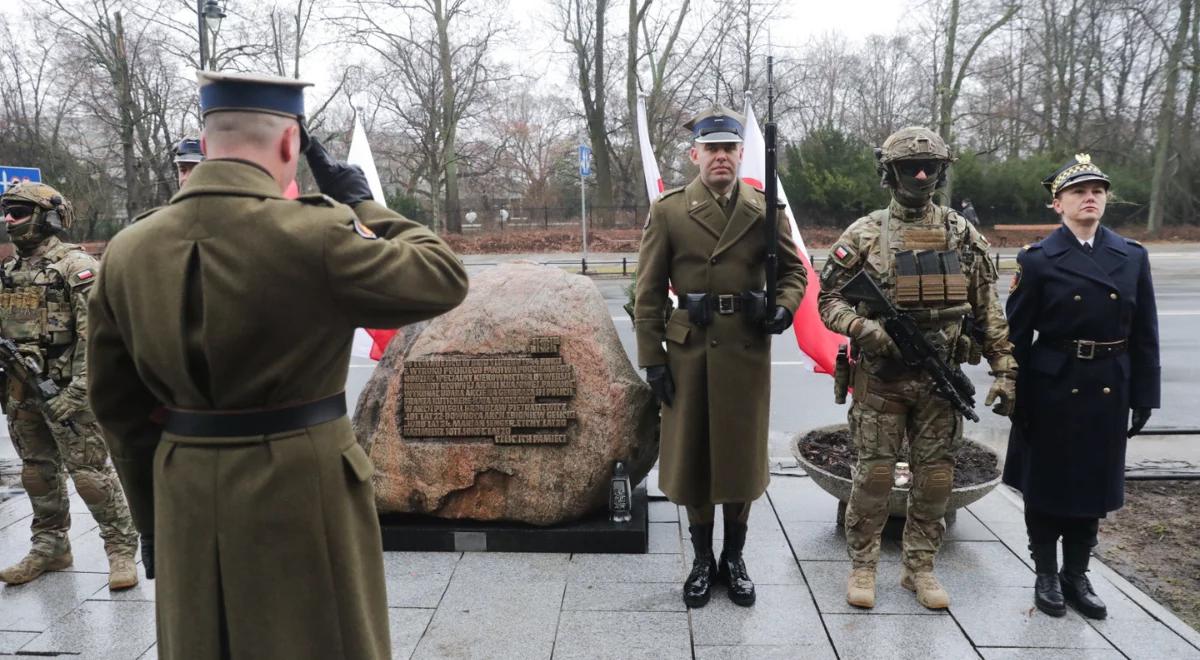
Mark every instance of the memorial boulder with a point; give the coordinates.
(514, 406)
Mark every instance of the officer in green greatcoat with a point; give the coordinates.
(221, 333)
(713, 376)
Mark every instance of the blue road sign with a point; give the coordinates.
(585, 160)
(10, 175)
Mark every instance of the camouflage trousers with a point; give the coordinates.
(882, 417)
(50, 450)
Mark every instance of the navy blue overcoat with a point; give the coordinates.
(1066, 451)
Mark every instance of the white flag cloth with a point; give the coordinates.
(814, 339)
(654, 182)
(360, 154)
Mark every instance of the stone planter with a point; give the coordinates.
(839, 486)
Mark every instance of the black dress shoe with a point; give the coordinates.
(732, 568)
(1047, 592)
(1076, 587)
(697, 589)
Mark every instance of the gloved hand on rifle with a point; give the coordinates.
(779, 321)
(148, 555)
(870, 336)
(343, 182)
(71, 399)
(1137, 420)
(660, 380)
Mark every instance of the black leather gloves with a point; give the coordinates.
(662, 383)
(1137, 420)
(779, 321)
(343, 182)
(148, 555)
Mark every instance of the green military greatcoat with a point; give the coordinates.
(232, 298)
(714, 435)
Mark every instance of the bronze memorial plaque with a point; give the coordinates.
(510, 399)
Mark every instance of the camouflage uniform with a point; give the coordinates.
(43, 310)
(892, 402)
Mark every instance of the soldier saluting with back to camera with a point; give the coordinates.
(928, 281)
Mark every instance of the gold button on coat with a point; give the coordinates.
(1078, 297)
(1113, 296)
(1074, 390)
(1107, 390)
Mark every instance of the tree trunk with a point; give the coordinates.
(597, 132)
(449, 120)
(1166, 121)
(944, 95)
(125, 109)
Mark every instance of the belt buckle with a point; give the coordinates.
(1089, 354)
(725, 303)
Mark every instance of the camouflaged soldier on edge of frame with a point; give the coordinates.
(934, 266)
(43, 310)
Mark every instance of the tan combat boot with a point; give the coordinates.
(122, 571)
(929, 591)
(860, 588)
(34, 565)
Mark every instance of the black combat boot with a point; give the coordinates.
(732, 568)
(1047, 591)
(698, 587)
(1077, 589)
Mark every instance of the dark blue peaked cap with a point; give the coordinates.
(251, 92)
(717, 124)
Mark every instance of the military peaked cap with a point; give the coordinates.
(251, 92)
(1075, 171)
(716, 124)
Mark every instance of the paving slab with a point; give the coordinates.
(1138, 639)
(11, 641)
(967, 527)
(512, 567)
(997, 507)
(1049, 654)
(765, 652)
(799, 499)
(827, 580)
(618, 635)
(14, 510)
(784, 615)
(627, 568)
(418, 579)
(89, 554)
(143, 591)
(665, 539)
(977, 565)
(407, 625)
(897, 637)
(150, 654)
(663, 512)
(1000, 616)
(486, 619)
(37, 605)
(100, 629)
(814, 541)
(762, 522)
(624, 597)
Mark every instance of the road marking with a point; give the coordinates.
(1181, 312)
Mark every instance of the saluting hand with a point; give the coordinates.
(1137, 421)
(660, 380)
(344, 182)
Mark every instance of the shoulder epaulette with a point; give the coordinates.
(317, 199)
(1133, 242)
(672, 191)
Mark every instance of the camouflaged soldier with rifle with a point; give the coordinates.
(933, 269)
(43, 325)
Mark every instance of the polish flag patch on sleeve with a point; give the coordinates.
(840, 252)
(85, 275)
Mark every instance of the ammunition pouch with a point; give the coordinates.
(929, 278)
(841, 375)
(701, 307)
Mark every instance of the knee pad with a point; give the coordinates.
(35, 482)
(879, 480)
(934, 481)
(90, 487)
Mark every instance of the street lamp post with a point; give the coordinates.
(208, 15)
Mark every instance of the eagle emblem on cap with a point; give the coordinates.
(1083, 159)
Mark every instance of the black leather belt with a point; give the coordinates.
(233, 423)
(1086, 349)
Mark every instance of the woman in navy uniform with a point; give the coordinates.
(1086, 384)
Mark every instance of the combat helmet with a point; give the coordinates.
(51, 213)
(902, 149)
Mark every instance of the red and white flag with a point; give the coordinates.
(654, 182)
(360, 154)
(815, 340)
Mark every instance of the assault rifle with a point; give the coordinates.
(772, 198)
(29, 373)
(915, 350)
